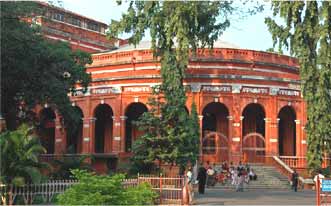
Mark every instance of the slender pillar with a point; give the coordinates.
(60, 136)
(236, 139)
(230, 120)
(88, 131)
(123, 124)
(298, 138)
(116, 137)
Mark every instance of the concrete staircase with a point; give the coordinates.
(267, 178)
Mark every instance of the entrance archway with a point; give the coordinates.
(133, 112)
(215, 127)
(75, 134)
(103, 133)
(253, 133)
(47, 129)
(287, 132)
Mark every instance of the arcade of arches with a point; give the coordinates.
(222, 138)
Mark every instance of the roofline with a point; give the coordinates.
(70, 12)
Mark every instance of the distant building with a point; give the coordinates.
(79, 31)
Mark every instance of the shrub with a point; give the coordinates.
(104, 190)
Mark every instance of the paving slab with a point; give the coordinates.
(216, 196)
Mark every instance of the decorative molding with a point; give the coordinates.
(274, 140)
(303, 141)
(200, 117)
(236, 124)
(273, 91)
(236, 89)
(123, 117)
(86, 125)
(236, 139)
(86, 139)
(230, 118)
(297, 121)
(117, 124)
(195, 87)
(117, 138)
(241, 118)
(267, 120)
(58, 140)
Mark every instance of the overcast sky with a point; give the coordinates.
(249, 33)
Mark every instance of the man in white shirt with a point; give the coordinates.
(321, 177)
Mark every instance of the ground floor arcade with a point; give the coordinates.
(234, 126)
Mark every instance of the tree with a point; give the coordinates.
(34, 70)
(105, 190)
(19, 163)
(176, 28)
(307, 34)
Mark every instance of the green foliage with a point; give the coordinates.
(176, 28)
(34, 70)
(104, 190)
(307, 34)
(19, 151)
(65, 164)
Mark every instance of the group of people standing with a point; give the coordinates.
(238, 175)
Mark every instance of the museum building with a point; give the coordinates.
(249, 102)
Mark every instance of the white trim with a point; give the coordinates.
(273, 140)
(195, 83)
(126, 69)
(236, 139)
(75, 43)
(189, 67)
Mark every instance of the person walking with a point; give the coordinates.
(294, 179)
(202, 174)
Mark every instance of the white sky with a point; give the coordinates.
(249, 33)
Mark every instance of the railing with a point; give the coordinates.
(169, 189)
(29, 192)
(301, 162)
(294, 162)
(287, 171)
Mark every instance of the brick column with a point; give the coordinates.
(60, 136)
(123, 124)
(236, 139)
(273, 139)
(116, 142)
(88, 134)
(298, 138)
(268, 136)
(230, 120)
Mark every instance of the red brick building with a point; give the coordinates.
(249, 102)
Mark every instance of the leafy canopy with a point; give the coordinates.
(306, 32)
(34, 70)
(105, 190)
(176, 28)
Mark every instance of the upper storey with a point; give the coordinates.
(226, 63)
(79, 31)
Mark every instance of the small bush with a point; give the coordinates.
(104, 190)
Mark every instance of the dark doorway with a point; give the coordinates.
(103, 128)
(133, 112)
(287, 131)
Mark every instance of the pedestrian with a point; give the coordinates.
(189, 176)
(241, 180)
(202, 180)
(294, 180)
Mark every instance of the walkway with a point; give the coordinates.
(255, 197)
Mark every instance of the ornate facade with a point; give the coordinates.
(249, 103)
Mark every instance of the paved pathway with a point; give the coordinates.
(255, 197)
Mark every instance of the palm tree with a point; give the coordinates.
(19, 163)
